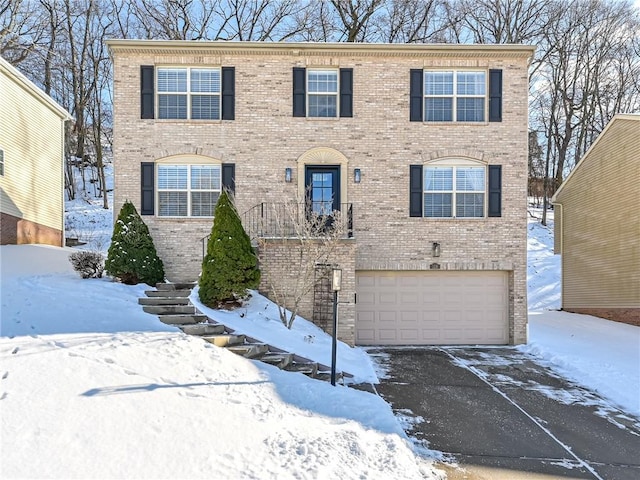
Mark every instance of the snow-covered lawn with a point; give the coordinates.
(93, 387)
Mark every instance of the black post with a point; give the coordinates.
(334, 342)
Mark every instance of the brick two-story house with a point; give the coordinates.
(423, 149)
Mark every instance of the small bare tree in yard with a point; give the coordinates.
(311, 239)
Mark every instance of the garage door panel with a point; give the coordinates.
(388, 335)
(388, 317)
(426, 307)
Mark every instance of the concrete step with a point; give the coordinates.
(310, 369)
(168, 293)
(280, 360)
(175, 286)
(169, 309)
(249, 350)
(163, 301)
(224, 340)
(203, 329)
(182, 319)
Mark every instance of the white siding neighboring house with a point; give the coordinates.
(31, 162)
(597, 228)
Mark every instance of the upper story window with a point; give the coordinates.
(1, 163)
(322, 93)
(456, 191)
(454, 96)
(188, 190)
(189, 93)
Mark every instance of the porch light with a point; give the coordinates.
(287, 175)
(435, 249)
(357, 175)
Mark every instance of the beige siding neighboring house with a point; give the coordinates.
(423, 149)
(598, 234)
(31, 162)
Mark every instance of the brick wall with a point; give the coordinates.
(281, 263)
(265, 138)
(17, 231)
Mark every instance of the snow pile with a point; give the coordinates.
(93, 387)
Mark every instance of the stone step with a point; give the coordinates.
(280, 360)
(309, 369)
(175, 286)
(183, 319)
(169, 309)
(203, 329)
(224, 340)
(163, 301)
(249, 350)
(167, 293)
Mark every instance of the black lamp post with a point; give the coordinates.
(336, 280)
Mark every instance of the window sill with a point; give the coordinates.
(474, 124)
(324, 119)
(186, 121)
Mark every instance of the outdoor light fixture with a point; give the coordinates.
(435, 249)
(336, 281)
(287, 175)
(357, 175)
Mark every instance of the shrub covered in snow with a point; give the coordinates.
(132, 256)
(230, 266)
(87, 264)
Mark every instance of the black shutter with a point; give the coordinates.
(495, 190)
(299, 92)
(147, 182)
(346, 92)
(146, 91)
(229, 177)
(415, 191)
(228, 93)
(415, 94)
(495, 95)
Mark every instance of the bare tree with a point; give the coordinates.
(311, 241)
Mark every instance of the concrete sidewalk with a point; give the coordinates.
(499, 415)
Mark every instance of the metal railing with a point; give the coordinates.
(293, 220)
(288, 220)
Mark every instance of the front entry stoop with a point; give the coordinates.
(170, 302)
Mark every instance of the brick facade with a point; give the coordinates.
(264, 139)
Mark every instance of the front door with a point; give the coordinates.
(322, 185)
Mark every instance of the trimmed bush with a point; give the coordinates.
(87, 264)
(132, 256)
(230, 266)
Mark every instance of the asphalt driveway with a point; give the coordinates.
(498, 415)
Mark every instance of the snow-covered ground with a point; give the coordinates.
(92, 387)
(601, 355)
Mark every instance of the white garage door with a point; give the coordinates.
(431, 308)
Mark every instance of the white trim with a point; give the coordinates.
(188, 93)
(19, 78)
(455, 96)
(188, 190)
(615, 119)
(310, 70)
